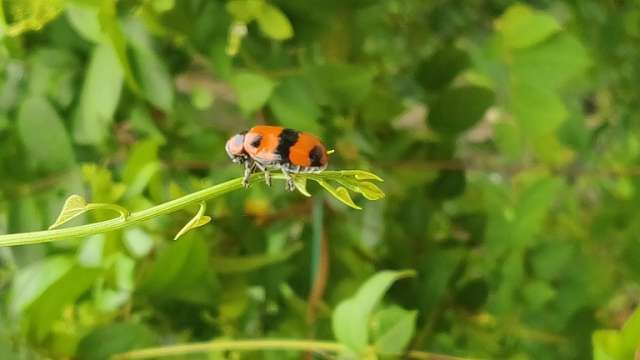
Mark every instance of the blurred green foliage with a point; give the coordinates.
(507, 135)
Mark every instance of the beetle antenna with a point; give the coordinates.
(329, 152)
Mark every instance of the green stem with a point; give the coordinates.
(261, 345)
(135, 217)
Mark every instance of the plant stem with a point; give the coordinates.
(259, 345)
(134, 218)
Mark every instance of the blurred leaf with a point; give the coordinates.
(537, 110)
(197, 221)
(613, 345)
(252, 90)
(244, 10)
(32, 281)
(181, 272)
(229, 264)
(293, 106)
(274, 23)
(155, 80)
(43, 135)
(105, 341)
(142, 153)
(448, 184)
(441, 68)
(437, 268)
(395, 328)
(381, 106)
(341, 85)
(84, 20)
(111, 27)
(99, 98)
(459, 109)
(521, 26)
(351, 317)
(64, 291)
(138, 242)
(550, 64)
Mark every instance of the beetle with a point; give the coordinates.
(277, 148)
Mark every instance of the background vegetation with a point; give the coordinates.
(507, 135)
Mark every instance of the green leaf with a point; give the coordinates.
(549, 65)
(155, 80)
(293, 106)
(138, 242)
(459, 109)
(99, 98)
(370, 191)
(198, 220)
(65, 290)
(230, 264)
(441, 68)
(181, 272)
(43, 135)
(393, 328)
(111, 27)
(339, 193)
(631, 332)
(74, 206)
(274, 23)
(301, 184)
(142, 154)
(244, 10)
(252, 90)
(84, 20)
(538, 111)
(105, 341)
(521, 26)
(351, 317)
(341, 86)
(33, 280)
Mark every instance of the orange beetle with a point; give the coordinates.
(274, 147)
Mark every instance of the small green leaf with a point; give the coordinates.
(458, 109)
(43, 135)
(244, 10)
(361, 175)
(351, 317)
(393, 329)
(74, 206)
(274, 23)
(301, 184)
(521, 26)
(339, 193)
(370, 191)
(197, 221)
(252, 90)
(99, 97)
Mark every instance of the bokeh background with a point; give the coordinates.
(507, 135)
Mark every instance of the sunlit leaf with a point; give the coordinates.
(274, 23)
(339, 193)
(301, 184)
(74, 206)
(350, 318)
(393, 328)
(197, 221)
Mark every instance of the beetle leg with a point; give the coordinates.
(267, 173)
(291, 186)
(249, 166)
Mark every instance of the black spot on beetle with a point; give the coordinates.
(256, 142)
(315, 155)
(288, 138)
